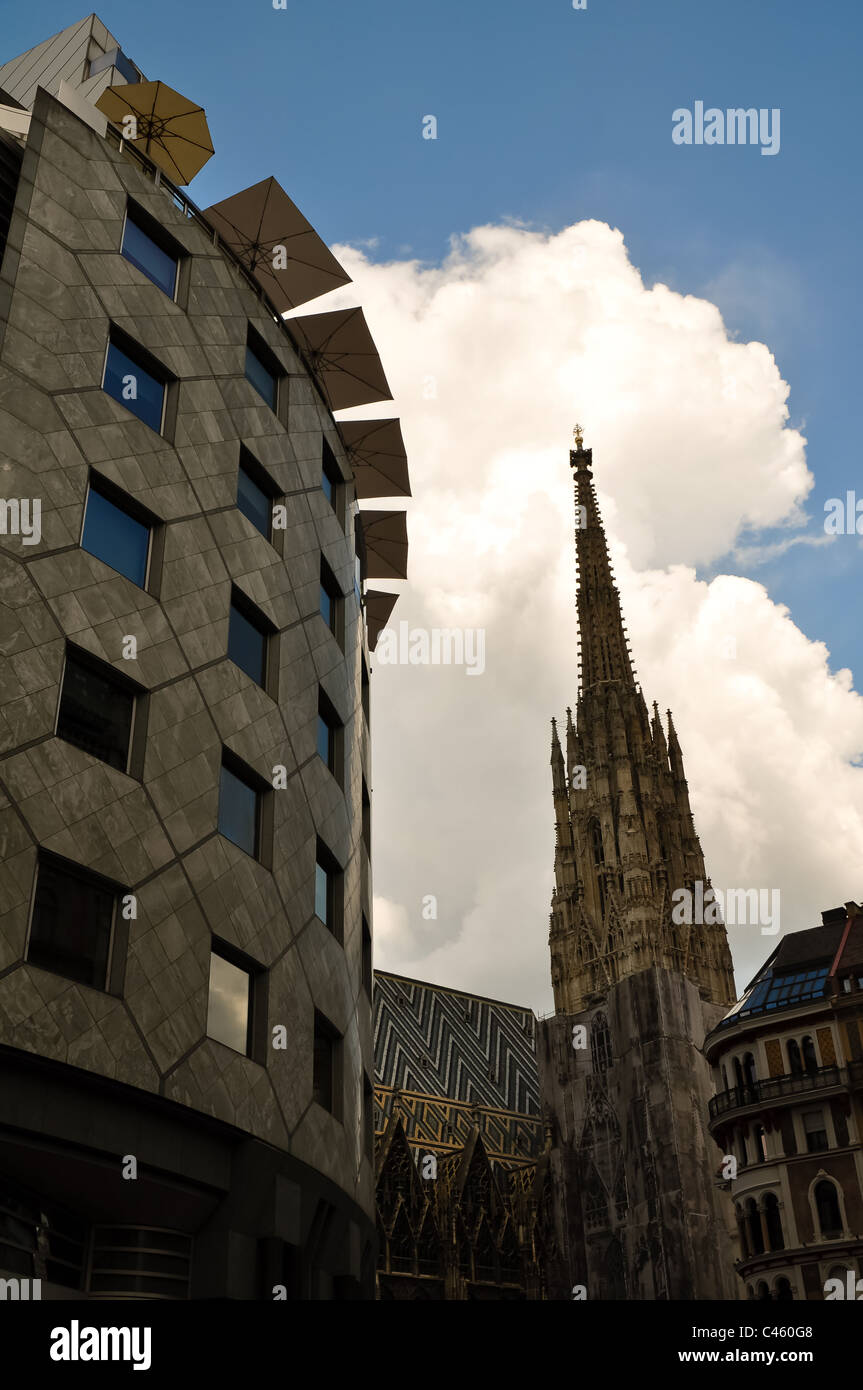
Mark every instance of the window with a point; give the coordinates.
(330, 476)
(364, 679)
(248, 636)
(145, 246)
(329, 735)
(795, 1066)
(331, 597)
(73, 918)
(810, 1059)
(367, 958)
(255, 494)
(97, 709)
(815, 1130)
(367, 819)
(114, 535)
(827, 1206)
(753, 1222)
(325, 1083)
(600, 1044)
(327, 886)
(773, 1220)
(760, 1135)
(136, 380)
(239, 809)
(262, 369)
(229, 1005)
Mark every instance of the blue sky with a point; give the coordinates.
(548, 115)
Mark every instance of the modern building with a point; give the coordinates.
(463, 1183)
(186, 1058)
(624, 1083)
(788, 1114)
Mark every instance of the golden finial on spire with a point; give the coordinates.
(579, 440)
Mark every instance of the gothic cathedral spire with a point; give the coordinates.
(625, 838)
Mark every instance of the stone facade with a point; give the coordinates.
(787, 1063)
(131, 1068)
(625, 1086)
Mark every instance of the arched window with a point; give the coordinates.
(401, 1245)
(753, 1222)
(795, 1066)
(598, 861)
(762, 1291)
(745, 1248)
(596, 842)
(810, 1060)
(784, 1292)
(759, 1134)
(749, 1069)
(773, 1221)
(724, 1078)
(600, 1044)
(738, 1074)
(827, 1206)
(595, 1202)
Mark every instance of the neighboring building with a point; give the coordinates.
(186, 1058)
(788, 1065)
(463, 1188)
(624, 1084)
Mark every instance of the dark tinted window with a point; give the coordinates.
(238, 811)
(254, 503)
(114, 536)
(330, 476)
(247, 643)
(140, 248)
(261, 377)
(134, 387)
(228, 1004)
(367, 958)
(96, 711)
(326, 741)
(323, 894)
(71, 928)
(323, 1065)
(330, 594)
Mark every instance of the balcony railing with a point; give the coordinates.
(776, 1088)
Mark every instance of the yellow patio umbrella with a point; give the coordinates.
(165, 126)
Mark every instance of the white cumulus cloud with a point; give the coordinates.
(492, 358)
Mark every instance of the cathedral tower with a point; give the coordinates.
(625, 1084)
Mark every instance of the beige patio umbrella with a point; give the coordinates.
(379, 606)
(377, 453)
(168, 127)
(386, 541)
(343, 356)
(275, 242)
